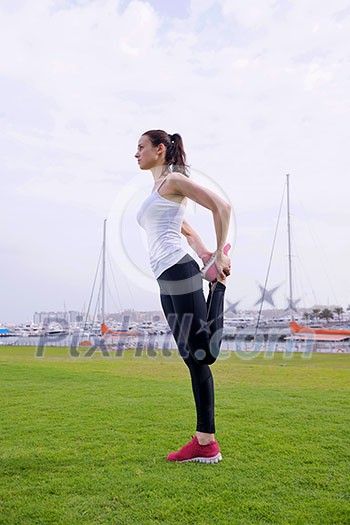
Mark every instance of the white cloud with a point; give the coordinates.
(139, 28)
(250, 13)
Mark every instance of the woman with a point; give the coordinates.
(195, 323)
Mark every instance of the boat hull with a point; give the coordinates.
(295, 328)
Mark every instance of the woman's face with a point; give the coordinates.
(147, 155)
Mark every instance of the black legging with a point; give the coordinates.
(197, 328)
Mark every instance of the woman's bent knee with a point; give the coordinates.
(204, 358)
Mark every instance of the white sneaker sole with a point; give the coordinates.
(208, 265)
(214, 459)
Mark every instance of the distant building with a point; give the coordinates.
(136, 317)
(71, 316)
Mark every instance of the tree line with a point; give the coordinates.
(326, 314)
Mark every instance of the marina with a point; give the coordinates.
(149, 336)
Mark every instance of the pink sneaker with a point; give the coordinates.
(193, 451)
(209, 271)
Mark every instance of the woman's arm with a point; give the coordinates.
(178, 184)
(195, 242)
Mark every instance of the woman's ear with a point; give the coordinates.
(160, 148)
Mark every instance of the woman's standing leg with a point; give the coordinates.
(201, 376)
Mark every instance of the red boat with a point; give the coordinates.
(107, 331)
(295, 328)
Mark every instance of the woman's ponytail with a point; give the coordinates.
(177, 156)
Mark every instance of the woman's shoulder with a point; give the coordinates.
(173, 187)
(181, 184)
(177, 176)
(178, 180)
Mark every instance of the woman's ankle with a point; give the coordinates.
(204, 438)
(222, 280)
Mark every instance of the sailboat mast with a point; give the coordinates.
(289, 254)
(103, 272)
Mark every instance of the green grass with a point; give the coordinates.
(85, 441)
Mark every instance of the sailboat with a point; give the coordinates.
(105, 331)
(307, 332)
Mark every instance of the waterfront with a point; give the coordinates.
(243, 342)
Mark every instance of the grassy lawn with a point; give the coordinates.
(85, 440)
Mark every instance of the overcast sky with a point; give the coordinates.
(256, 88)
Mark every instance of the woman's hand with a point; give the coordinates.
(223, 265)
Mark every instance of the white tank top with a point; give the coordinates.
(162, 220)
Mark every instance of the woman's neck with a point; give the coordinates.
(159, 172)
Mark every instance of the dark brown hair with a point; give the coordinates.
(175, 156)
